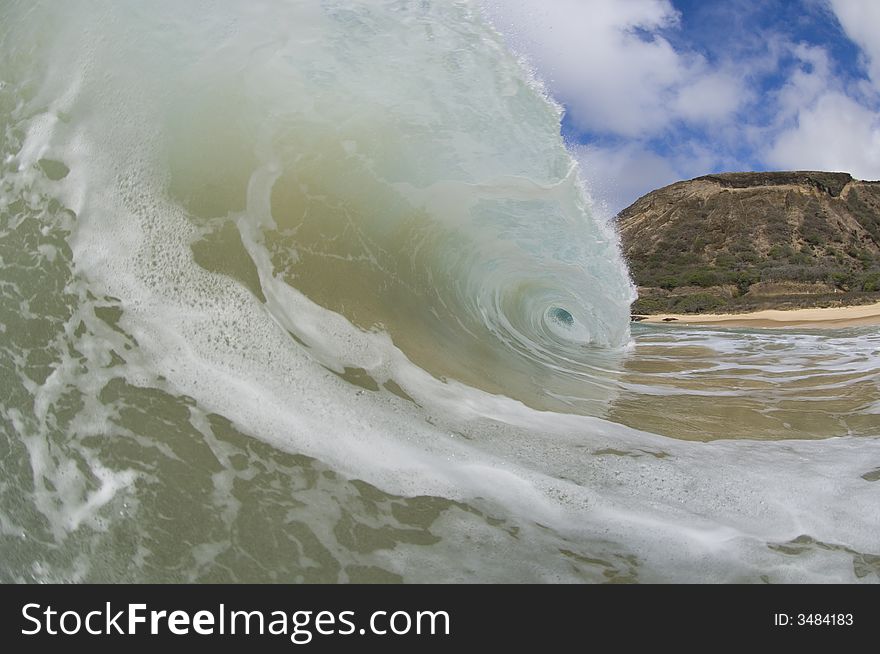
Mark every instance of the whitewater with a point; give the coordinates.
(312, 291)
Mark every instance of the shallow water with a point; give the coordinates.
(312, 292)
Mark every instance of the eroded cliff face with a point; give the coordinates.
(741, 241)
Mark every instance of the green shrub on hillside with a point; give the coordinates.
(781, 251)
(871, 282)
(703, 277)
(745, 278)
(650, 305)
(842, 279)
(698, 303)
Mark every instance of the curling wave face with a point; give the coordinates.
(391, 162)
(255, 253)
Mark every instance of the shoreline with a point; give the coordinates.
(830, 317)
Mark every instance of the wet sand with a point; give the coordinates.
(834, 317)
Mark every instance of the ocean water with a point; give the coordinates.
(311, 291)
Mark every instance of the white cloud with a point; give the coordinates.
(837, 134)
(805, 84)
(607, 62)
(709, 98)
(616, 176)
(861, 21)
(833, 129)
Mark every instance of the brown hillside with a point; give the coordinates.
(743, 241)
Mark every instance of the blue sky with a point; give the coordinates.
(660, 90)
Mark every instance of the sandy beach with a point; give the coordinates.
(834, 317)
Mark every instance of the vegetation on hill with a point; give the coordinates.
(746, 241)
